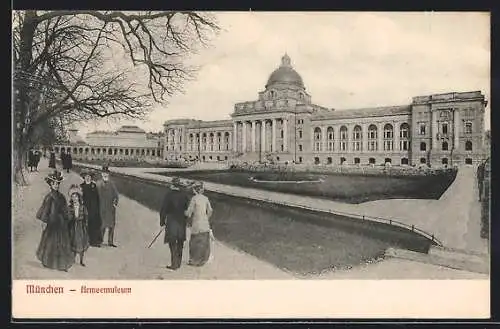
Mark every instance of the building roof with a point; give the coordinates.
(285, 74)
(362, 113)
(130, 129)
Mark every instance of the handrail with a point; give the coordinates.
(376, 219)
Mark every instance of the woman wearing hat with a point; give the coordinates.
(54, 250)
(199, 211)
(78, 216)
(91, 203)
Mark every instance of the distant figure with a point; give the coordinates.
(67, 161)
(31, 159)
(38, 156)
(199, 212)
(54, 250)
(91, 202)
(78, 216)
(108, 201)
(52, 159)
(173, 218)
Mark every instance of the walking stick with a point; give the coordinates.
(156, 237)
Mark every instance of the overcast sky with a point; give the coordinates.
(347, 60)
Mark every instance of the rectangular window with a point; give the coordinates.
(330, 146)
(343, 146)
(388, 145)
(317, 146)
(468, 127)
(445, 128)
(404, 145)
(300, 133)
(422, 129)
(300, 147)
(300, 159)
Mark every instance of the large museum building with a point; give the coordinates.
(285, 126)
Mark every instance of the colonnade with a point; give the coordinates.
(262, 127)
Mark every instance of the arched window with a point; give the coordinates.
(80, 150)
(404, 134)
(316, 160)
(372, 138)
(272, 94)
(444, 161)
(423, 146)
(343, 138)
(444, 146)
(387, 160)
(317, 139)
(388, 137)
(356, 136)
(204, 142)
(329, 160)
(110, 151)
(330, 136)
(211, 141)
(468, 146)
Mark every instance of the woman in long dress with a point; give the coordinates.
(78, 222)
(52, 159)
(199, 212)
(91, 203)
(54, 250)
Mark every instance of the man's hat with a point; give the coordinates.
(56, 176)
(105, 168)
(86, 172)
(74, 189)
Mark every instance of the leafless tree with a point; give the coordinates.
(64, 66)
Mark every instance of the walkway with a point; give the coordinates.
(454, 219)
(136, 226)
(132, 260)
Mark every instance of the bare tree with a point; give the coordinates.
(64, 65)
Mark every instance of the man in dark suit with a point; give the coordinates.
(172, 216)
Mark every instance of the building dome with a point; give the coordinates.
(285, 74)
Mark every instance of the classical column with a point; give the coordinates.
(324, 132)
(396, 136)
(456, 119)
(285, 134)
(235, 136)
(434, 130)
(244, 137)
(273, 136)
(175, 138)
(380, 137)
(253, 135)
(263, 135)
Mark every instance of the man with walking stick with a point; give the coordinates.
(172, 217)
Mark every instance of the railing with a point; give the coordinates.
(387, 221)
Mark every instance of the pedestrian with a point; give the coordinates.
(78, 217)
(38, 155)
(52, 159)
(64, 160)
(54, 249)
(108, 201)
(172, 217)
(199, 212)
(91, 203)
(31, 159)
(69, 161)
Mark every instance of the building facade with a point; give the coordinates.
(126, 143)
(284, 125)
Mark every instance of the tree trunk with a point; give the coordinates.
(19, 158)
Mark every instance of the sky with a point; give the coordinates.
(346, 60)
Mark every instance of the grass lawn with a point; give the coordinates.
(343, 188)
(291, 239)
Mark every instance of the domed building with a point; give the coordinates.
(284, 125)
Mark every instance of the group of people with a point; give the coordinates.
(34, 159)
(185, 205)
(70, 228)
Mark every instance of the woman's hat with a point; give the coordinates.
(198, 186)
(56, 176)
(74, 189)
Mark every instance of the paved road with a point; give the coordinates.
(454, 219)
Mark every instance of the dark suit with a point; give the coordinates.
(172, 216)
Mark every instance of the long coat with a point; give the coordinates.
(54, 250)
(91, 202)
(52, 160)
(78, 229)
(172, 210)
(108, 199)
